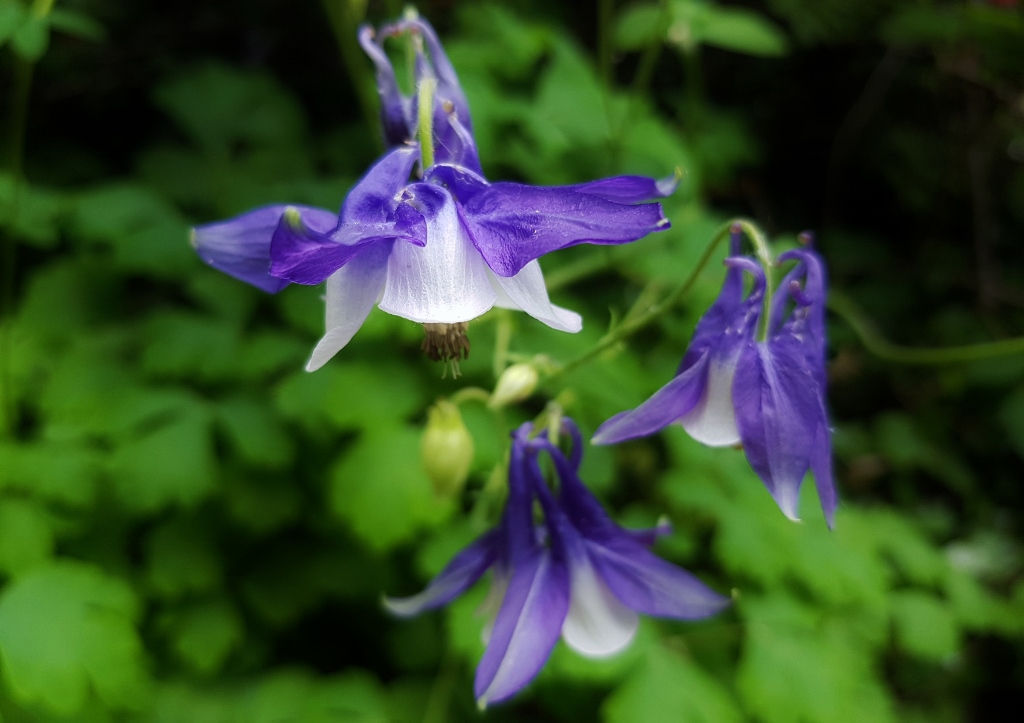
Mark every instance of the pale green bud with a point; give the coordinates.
(514, 385)
(446, 449)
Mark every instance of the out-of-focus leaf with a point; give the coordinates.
(1012, 416)
(32, 37)
(26, 537)
(185, 344)
(261, 505)
(205, 634)
(219, 106)
(172, 464)
(65, 473)
(798, 666)
(668, 687)
(739, 30)
(255, 432)
(12, 14)
(379, 489)
(67, 629)
(35, 216)
(181, 559)
(142, 231)
(78, 24)
(293, 696)
(641, 25)
(925, 626)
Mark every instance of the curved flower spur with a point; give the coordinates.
(767, 395)
(577, 575)
(440, 250)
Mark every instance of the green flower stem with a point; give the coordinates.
(874, 342)
(470, 394)
(764, 255)
(636, 321)
(344, 26)
(425, 99)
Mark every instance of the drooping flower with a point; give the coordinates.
(578, 576)
(767, 395)
(441, 250)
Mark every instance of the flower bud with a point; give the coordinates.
(446, 449)
(514, 385)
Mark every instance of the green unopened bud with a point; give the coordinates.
(446, 449)
(514, 385)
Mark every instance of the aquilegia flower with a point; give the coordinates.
(440, 250)
(578, 575)
(767, 395)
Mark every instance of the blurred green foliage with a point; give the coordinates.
(193, 529)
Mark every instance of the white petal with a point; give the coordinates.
(526, 291)
(713, 420)
(598, 624)
(444, 281)
(352, 291)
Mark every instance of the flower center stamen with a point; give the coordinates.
(446, 342)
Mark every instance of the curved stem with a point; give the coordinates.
(642, 319)
(470, 394)
(881, 347)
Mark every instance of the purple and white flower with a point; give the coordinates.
(768, 395)
(578, 576)
(440, 250)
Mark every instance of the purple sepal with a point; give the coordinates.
(629, 189)
(639, 579)
(512, 224)
(397, 115)
(667, 405)
(375, 210)
(458, 576)
(526, 629)
(240, 246)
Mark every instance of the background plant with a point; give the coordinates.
(194, 529)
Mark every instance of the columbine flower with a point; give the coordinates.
(439, 251)
(767, 395)
(579, 575)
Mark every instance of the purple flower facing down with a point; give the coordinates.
(577, 576)
(768, 396)
(438, 250)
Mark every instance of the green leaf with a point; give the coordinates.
(255, 432)
(742, 31)
(668, 687)
(78, 24)
(925, 626)
(800, 666)
(38, 211)
(181, 559)
(12, 14)
(205, 634)
(172, 464)
(185, 344)
(32, 38)
(141, 229)
(66, 629)
(261, 505)
(26, 536)
(219, 106)
(66, 473)
(379, 489)
(640, 26)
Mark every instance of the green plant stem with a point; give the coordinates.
(874, 342)
(636, 321)
(467, 394)
(764, 255)
(344, 26)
